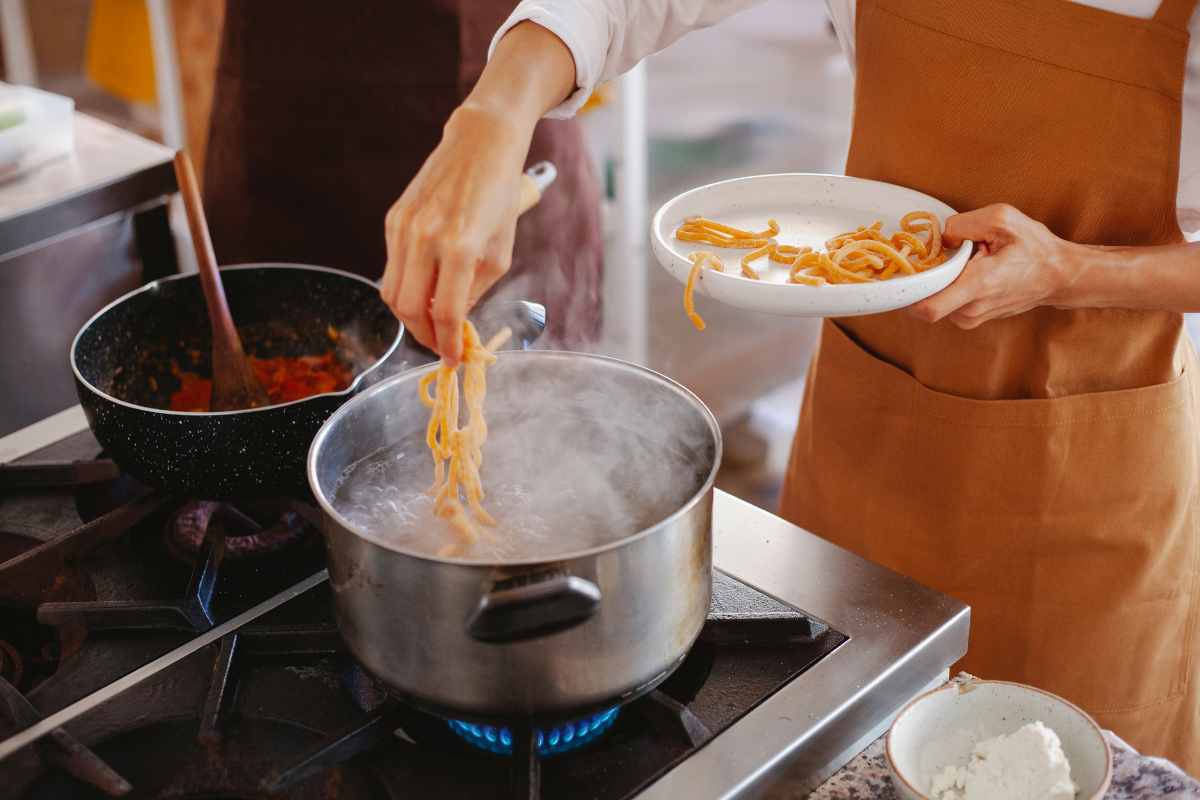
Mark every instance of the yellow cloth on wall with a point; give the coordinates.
(120, 56)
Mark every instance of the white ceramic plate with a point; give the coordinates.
(942, 727)
(810, 209)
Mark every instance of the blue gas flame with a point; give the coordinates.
(558, 739)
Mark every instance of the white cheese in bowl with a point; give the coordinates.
(1026, 765)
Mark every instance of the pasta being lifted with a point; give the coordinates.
(458, 452)
(863, 255)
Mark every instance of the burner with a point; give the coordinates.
(253, 528)
(366, 692)
(561, 738)
(30, 652)
(94, 500)
(244, 536)
(12, 666)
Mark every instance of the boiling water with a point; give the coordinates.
(552, 485)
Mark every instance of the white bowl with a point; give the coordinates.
(942, 727)
(810, 209)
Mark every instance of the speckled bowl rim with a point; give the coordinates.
(895, 771)
(283, 265)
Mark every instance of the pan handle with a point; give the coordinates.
(533, 608)
(534, 181)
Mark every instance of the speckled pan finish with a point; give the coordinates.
(122, 361)
(810, 209)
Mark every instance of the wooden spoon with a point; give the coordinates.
(234, 385)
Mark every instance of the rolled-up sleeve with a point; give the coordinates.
(609, 37)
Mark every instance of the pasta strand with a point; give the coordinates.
(458, 452)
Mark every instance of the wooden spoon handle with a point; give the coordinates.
(210, 277)
(234, 384)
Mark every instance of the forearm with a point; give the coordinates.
(1165, 278)
(1022, 265)
(450, 234)
(530, 72)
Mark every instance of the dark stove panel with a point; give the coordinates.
(99, 576)
(163, 760)
(718, 683)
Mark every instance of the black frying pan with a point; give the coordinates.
(122, 360)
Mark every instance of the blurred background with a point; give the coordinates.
(767, 91)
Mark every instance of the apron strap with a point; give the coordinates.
(1175, 13)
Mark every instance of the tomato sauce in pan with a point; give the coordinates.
(284, 378)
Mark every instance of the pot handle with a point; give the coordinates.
(532, 610)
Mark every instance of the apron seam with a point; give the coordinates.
(1190, 636)
(1149, 23)
(900, 378)
(1174, 697)
(1176, 99)
(1057, 423)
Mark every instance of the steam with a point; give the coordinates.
(569, 287)
(579, 454)
(352, 347)
(579, 319)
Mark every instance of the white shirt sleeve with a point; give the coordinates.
(841, 14)
(609, 37)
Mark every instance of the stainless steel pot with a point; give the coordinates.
(532, 638)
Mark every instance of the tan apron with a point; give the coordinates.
(1041, 468)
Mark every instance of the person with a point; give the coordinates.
(323, 113)
(1025, 440)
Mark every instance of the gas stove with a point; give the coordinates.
(156, 646)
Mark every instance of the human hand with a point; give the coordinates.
(1018, 265)
(450, 235)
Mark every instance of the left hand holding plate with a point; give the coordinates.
(1018, 265)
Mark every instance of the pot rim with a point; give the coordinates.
(155, 285)
(415, 374)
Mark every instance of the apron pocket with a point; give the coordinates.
(1067, 524)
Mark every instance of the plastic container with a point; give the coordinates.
(35, 127)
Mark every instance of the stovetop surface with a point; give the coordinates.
(267, 733)
(253, 707)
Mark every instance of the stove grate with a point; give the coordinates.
(61, 750)
(57, 474)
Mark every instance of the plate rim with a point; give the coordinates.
(664, 246)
